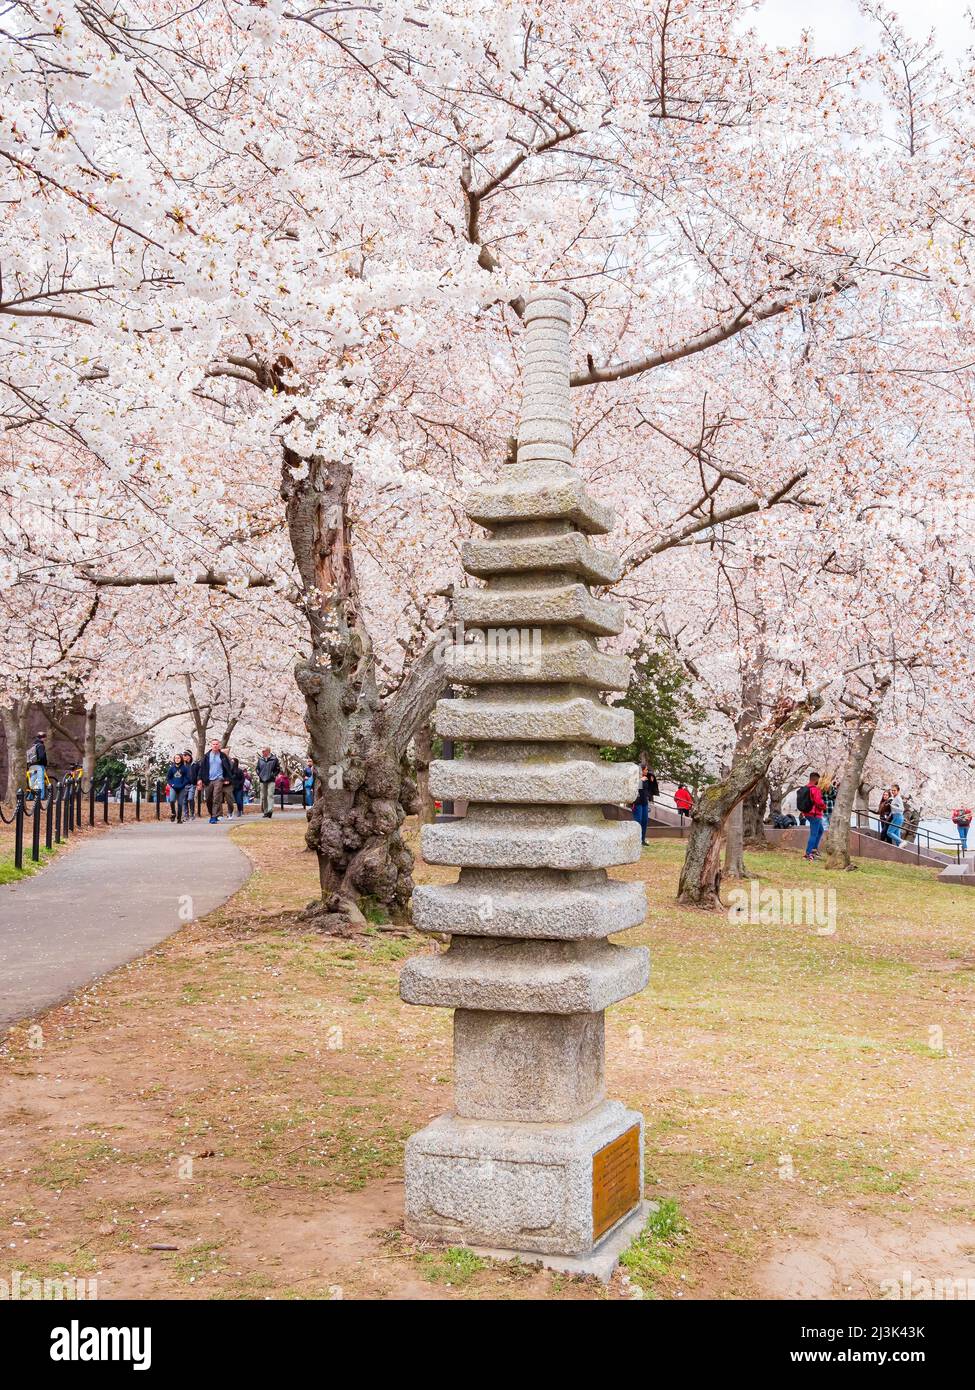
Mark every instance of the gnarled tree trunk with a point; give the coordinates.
(700, 877)
(357, 740)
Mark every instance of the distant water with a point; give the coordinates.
(941, 826)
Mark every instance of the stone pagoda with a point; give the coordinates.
(533, 1159)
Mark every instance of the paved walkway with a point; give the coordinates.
(106, 901)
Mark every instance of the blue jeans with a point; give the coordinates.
(641, 814)
(815, 833)
(963, 836)
(894, 829)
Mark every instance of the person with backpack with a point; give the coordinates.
(37, 767)
(683, 800)
(810, 803)
(653, 786)
(268, 769)
(961, 818)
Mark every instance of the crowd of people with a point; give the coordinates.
(222, 782)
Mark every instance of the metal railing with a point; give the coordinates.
(59, 812)
(947, 846)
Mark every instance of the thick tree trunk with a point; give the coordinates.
(776, 795)
(423, 754)
(734, 859)
(357, 741)
(89, 756)
(837, 843)
(201, 720)
(700, 878)
(753, 815)
(15, 733)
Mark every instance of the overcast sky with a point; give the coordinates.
(837, 24)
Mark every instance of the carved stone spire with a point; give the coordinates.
(533, 1158)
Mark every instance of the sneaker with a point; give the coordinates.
(214, 819)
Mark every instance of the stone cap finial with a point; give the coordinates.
(545, 429)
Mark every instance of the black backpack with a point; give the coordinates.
(804, 800)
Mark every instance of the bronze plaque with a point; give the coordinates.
(615, 1181)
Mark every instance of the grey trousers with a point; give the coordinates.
(267, 796)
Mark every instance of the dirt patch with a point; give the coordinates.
(873, 1258)
(243, 1093)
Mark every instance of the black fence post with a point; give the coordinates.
(282, 798)
(58, 811)
(79, 805)
(158, 800)
(35, 830)
(19, 832)
(121, 800)
(138, 799)
(49, 827)
(105, 802)
(91, 802)
(68, 809)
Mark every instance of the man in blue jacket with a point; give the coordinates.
(214, 775)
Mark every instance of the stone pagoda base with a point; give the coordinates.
(527, 1188)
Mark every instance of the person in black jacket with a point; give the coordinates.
(641, 807)
(653, 786)
(191, 771)
(268, 768)
(215, 778)
(36, 765)
(237, 784)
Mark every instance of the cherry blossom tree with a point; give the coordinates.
(265, 269)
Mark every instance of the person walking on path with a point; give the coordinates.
(641, 807)
(308, 782)
(37, 766)
(268, 769)
(810, 802)
(961, 818)
(896, 816)
(191, 773)
(214, 778)
(176, 777)
(237, 785)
